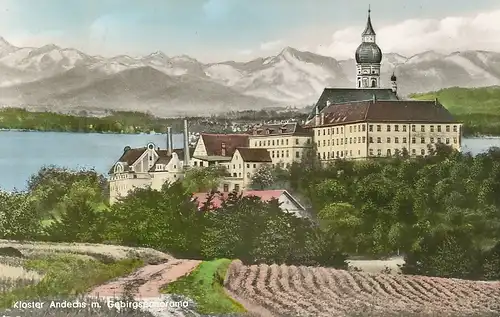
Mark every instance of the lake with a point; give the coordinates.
(99, 151)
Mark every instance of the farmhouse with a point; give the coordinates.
(287, 202)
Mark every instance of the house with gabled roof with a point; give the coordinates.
(244, 163)
(288, 203)
(213, 149)
(148, 166)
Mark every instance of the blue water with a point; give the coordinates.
(24, 153)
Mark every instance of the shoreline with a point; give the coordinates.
(475, 136)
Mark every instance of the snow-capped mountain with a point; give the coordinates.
(65, 79)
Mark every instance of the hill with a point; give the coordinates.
(477, 108)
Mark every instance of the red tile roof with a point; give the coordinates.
(387, 111)
(214, 143)
(264, 195)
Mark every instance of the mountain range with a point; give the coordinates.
(66, 80)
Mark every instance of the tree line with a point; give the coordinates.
(442, 212)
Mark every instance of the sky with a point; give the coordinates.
(240, 30)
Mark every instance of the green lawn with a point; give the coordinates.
(205, 286)
(477, 108)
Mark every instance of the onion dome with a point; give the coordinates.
(368, 53)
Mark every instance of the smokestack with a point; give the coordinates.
(169, 140)
(186, 144)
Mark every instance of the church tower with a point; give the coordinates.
(368, 58)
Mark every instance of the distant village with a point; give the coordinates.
(358, 123)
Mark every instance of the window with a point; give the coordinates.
(282, 141)
(422, 151)
(455, 140)
(396, 127)
(150, 157)
(282, 153)
(371, 152)
(354, 140)
(404, 140)
(432, 140)
(379, 152)
(388, 152)
(350, 152)
(255, 143)
(324, 132)
(254, 165)
(248, 165)
(350, 140)
(413, 129)
(236, 187)
(324, 142)
(388, 140)
(422, 140)
(329, 130)
(364, 128)
(287, 153)
(413, 151)
(226, 188)
(432, 128)
(355, 128)
(454, 128)
(388, 128)
(379, 140)
(272, 154)
(447, 128)
(413, 140)
(370, 128)
(396, 140)
(341, 129)
(324, 156)
(350, 129)
(297, 154)
(447, 140)
(277, 153)
(337, 153)
(379, 128)
(364, 139)
(422, 128)
(371, 139)
(439, 128)
(404, 128)
(248, 174)
(268, 142)
(439, 140)
(337, 130)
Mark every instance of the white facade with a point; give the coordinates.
(141, 168)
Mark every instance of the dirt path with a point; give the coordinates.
(147, 281)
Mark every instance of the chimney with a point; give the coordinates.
(186, 144)
(223, 149)
(169, 141)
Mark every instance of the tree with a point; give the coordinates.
(263, 177)
(19, 218)
(203, 179)
(342, 223)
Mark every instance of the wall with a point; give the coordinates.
(283, 149)
(361, 140)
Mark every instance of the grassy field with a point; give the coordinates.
(205, 286)
(50, 270)
(477, 108)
